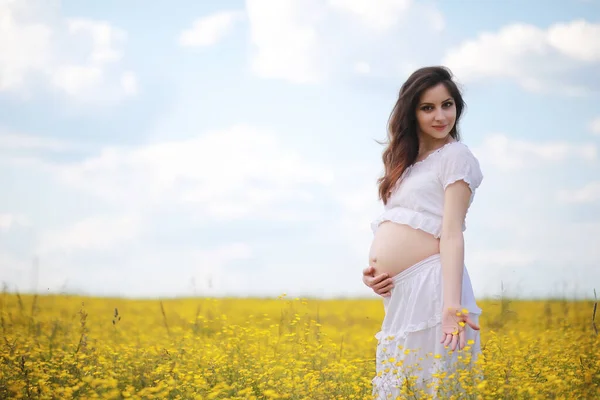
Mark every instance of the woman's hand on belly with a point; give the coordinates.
(381, 284)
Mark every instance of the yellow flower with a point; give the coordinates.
(201, 348)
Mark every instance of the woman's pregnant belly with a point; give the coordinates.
(396, 247)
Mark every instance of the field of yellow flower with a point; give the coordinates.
(56, 347)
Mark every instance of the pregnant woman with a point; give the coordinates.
(416, 260)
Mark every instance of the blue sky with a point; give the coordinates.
(229, 148)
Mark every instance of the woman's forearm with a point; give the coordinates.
(452, 256)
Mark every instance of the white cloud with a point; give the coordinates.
(209, 266)
(538, 59)
(207, 31)
(508, 154)
(285, 39)
(594, 126)
(434, 16)
(501, 258)
(232, 173)
(24, 48)
(194, 271)
(362, 68)
(517, 233)
(378, 16)
(135, 270)
(77, 57)
(579, 40)
(186, 205)
(76, 79)
(103, 35)
(308, 41)
(93, 233)
(587, 194)
(7, 221)
(17, 141)
(16, 272)
(129, 83)
(184, 210)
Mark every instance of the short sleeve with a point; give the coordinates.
(457, 163)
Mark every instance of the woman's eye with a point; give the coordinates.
(445, 105)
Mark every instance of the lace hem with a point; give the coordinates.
(461, 177)
(412, 218)
(382, 335)
(433, 321)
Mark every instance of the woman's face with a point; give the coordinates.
(436, 112)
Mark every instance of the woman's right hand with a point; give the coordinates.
(455, 320)
(381, 284)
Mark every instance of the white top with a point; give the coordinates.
(417, 199)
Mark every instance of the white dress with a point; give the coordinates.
(409, 339)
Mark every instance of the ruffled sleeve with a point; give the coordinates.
(457, 162)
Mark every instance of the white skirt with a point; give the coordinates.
(409, 354)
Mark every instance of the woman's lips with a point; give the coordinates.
(440, 128)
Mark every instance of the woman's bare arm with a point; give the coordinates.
(452, 246)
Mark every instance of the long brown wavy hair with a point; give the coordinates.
(403, 143)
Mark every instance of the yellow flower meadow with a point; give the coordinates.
(56, 347)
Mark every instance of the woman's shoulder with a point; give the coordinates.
(457, 161)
